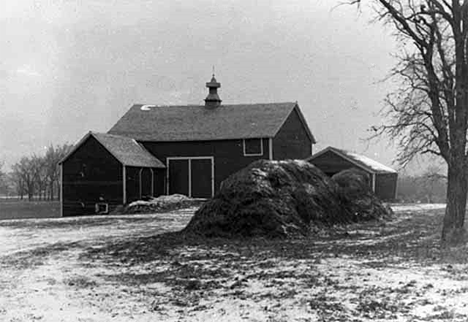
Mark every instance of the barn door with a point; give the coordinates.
(201, 178)
(192, 177)
(178, 177)
(146, 182)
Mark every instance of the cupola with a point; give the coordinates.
(213, 100)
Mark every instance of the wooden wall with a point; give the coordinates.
(133, 182)
(292, 141)
(89, 174)
(386, 185)
(228, 154)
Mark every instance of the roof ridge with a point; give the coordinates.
(109, 134)
(199, 105)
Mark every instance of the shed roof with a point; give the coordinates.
(359, 160)
(126, 150)
(198, 123)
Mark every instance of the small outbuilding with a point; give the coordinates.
(103, 171)
(383, 179)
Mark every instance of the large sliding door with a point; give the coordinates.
(191, 176)
(178, 176)
(201, 182)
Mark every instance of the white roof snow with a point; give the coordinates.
(374, 165)
(357, 159)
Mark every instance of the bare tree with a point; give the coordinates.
(52, 158)
(2, 173)
(429, 113)
(431, 183)
(18, 183)
(23, 173)
(39, 173)
(3, 180)
(427, 187)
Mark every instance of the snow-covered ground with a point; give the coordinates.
(417, 207)
(121, 269)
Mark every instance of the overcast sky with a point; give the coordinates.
(71, 66)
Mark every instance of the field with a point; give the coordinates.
(16, 209)
(134, 268)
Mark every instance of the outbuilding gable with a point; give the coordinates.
(332, 155)
(125, 150)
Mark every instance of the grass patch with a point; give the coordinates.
(17, 209)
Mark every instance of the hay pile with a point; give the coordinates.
(160, 204)
(357, 197)
(280, 199)
(269, 198)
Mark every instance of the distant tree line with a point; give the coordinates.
(429, 187)
(35, 176)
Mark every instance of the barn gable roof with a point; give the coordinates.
(198, 123)
(126, 150)
(359, 160)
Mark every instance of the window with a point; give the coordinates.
(253, 147)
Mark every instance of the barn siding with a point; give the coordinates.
(102, 178)
(385, 185)
(228, 154)
(292, 141)
(133, 182)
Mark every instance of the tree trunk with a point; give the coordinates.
(457, 189)
(51, 188)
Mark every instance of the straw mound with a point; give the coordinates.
(358, 198)
(271, 199)
(160, 204)
(285, 199)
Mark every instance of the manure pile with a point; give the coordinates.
(282, 199)
(357, 197)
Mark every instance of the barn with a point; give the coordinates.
(185, 149)
(103, 171)
(383, 179)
